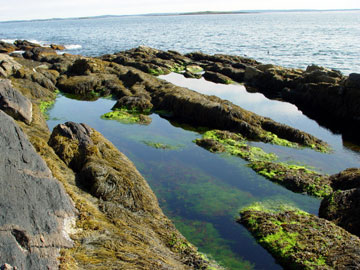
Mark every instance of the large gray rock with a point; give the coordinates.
(8, 65)
(33, 208)
(14, 103)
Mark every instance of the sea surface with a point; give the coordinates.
(200, 191)
(294, 39)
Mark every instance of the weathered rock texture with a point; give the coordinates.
(34, 206)
(343, 206)
(143, 237)
(299, 240)
(14, 103)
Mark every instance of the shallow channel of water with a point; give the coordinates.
(200, 191)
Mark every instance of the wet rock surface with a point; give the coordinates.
(299, 240)
(34, 205)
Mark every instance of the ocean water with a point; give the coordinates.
(294, 39)
(200, 191)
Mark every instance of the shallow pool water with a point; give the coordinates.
(200, 191)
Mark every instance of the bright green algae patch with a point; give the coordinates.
(299, 240)
(232, 143)
(45, 106)
(294, 177)
(127, 117)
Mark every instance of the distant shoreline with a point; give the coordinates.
(188, 14)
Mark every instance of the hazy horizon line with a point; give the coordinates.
(212, 12)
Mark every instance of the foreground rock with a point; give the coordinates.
(34, 206)
(119, 223)
(299, 240)
(135, 233)
(14, 103)
(343, 206)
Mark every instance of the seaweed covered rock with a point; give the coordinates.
(14, 103)
(134, 103)
(294, 177)
(134, 234)
(34, 205)
(216, 77)
(6, 47)
(343, 206)
(150, 60)
(299, 240)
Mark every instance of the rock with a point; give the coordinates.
(343, 206)
(25, 45)
(6, 47)
(129, 208)
(34, 206)
(353, 81)
(40, 53)
(251, 73)
(134, 103)
(57, 47)
(210, 144)
(299, 240)
(14, 103)
(216, 77)
(8, 66)
(347, 179)
(188, 74)
(295, 178)
(7, 266)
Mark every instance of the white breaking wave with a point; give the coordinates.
(8, 40)
(73, 47)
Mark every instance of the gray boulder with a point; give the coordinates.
(8, 65)
(34, 207)
(14, 103)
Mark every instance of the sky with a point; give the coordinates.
(45, 9)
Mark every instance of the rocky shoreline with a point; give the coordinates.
(110, 202)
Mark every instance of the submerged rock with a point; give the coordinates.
(299, 240)
(14, 103)
(34, 206)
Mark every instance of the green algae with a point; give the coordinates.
(234, 144)
(45, 106)
(207, 238)
(299, 240)
(177, 68)
(297, 178)
(269, 137)
(294, 177)
(127, 117)
(194, 69)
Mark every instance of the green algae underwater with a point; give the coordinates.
(200, 191)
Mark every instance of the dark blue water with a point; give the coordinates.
(330, 39)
